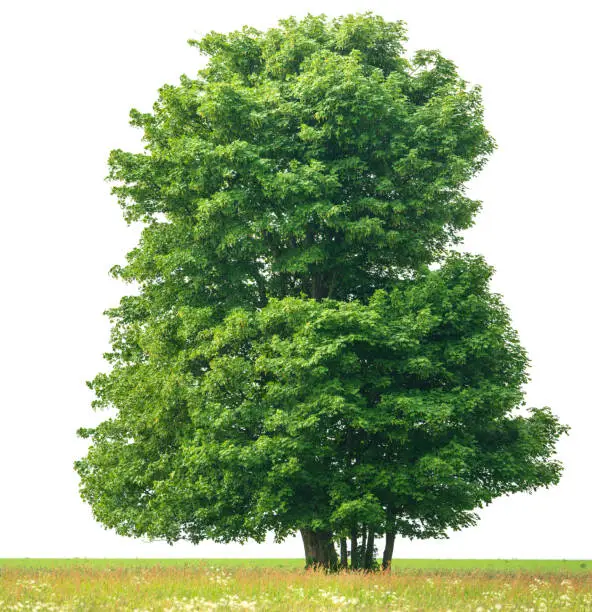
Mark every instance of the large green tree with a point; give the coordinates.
(290, 362)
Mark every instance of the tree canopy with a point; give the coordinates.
(305, 352)
(312, 158)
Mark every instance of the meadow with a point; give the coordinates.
(281, 584)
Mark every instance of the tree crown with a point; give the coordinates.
(302, 353)
(312, 158)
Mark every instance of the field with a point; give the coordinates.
(281, 584)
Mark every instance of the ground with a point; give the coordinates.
(281, 584)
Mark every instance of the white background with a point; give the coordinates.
(70, 72)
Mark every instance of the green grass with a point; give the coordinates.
(277, 585)
(427, 565)
(83, 562)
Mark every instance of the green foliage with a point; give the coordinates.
(313, 158)
(290, 361)
(399, 413)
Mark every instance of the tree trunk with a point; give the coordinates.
(387, 557)
(362, 555)
(318, 549)
(318, 287)
(369, 553)
(354, 549)
(343, 543)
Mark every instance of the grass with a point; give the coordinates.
(425, 565)
(280, 584)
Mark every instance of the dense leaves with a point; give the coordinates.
(310, 158)
(291, 362)
(329, 414)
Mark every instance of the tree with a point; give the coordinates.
(291, 363)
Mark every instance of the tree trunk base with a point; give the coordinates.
(388, 551)
(319, 550)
